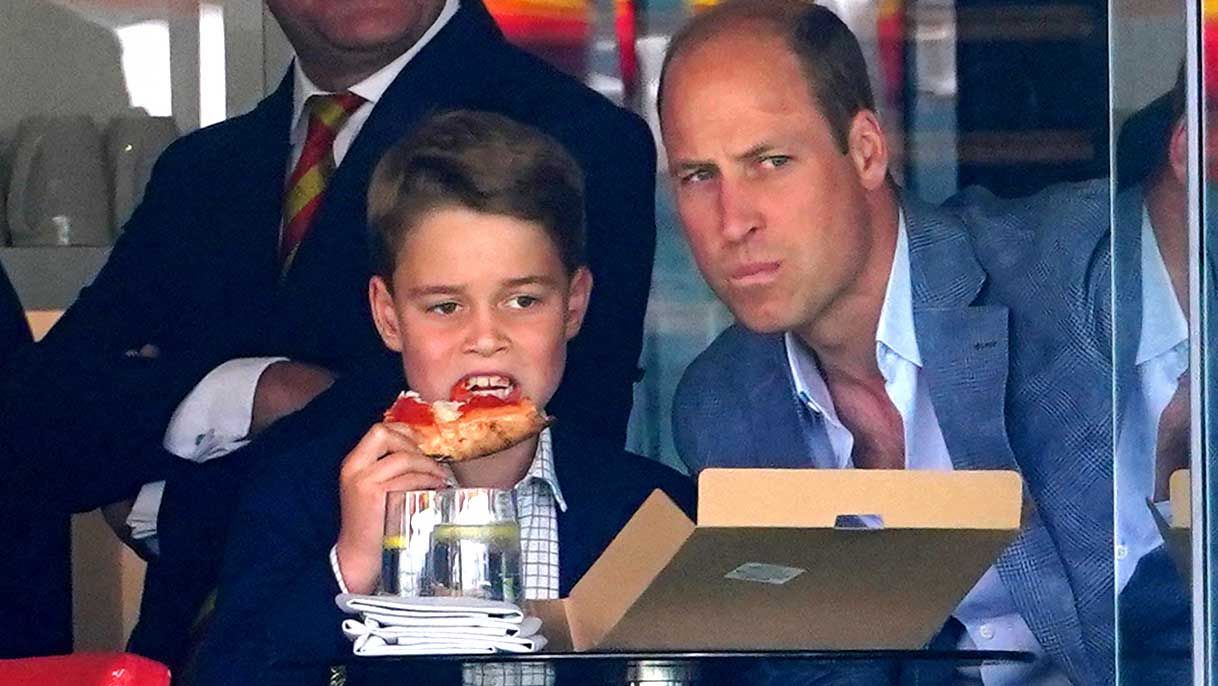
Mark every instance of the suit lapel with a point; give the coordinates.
(1127, 292)
(963, 346)
(965, 355)
(258, 199)
(779, 428)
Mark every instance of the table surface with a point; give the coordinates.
(666, 668)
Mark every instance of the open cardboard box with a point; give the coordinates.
(1177, 534)
(776, 562)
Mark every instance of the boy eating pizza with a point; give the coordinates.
(477, 243)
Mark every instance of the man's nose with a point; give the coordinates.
(738, 211)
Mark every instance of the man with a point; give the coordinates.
(221, 272)
(877, 332)
(1151, 253)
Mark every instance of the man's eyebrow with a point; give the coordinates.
(692, 165)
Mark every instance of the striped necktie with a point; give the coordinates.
(307, 183)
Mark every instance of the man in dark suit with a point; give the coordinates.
(875, 331)
(37, 542)
(204, 276)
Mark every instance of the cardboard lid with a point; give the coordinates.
(766, 568)
(817, 497)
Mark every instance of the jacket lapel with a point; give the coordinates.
(1127, 292)
(780, 431)
(965, 355)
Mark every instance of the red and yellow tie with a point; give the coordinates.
(307, 183)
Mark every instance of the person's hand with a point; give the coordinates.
(386, 459)
(284, 388)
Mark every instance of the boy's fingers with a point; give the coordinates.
(380, 440)
(412, 482)
(398, 463)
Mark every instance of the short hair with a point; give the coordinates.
(828, 52)
(479, 161)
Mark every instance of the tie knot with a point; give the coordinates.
(332, 109)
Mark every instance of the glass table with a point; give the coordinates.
(676, 668)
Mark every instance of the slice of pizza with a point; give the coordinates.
(486, 414)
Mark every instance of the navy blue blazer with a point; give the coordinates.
(195, 271)
(276, 596)
(1011, 310)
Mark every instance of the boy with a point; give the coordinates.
(477, 241)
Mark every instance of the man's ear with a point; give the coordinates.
(868, 149)
(579, 292)
(384, 314)
(1177, 152)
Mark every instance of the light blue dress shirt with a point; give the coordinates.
(988, 613)
(1161, 358)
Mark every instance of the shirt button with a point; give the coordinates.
(986, 631)
(1122, 552)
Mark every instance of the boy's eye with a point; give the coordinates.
(523, 302)
(444, 308)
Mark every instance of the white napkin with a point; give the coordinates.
(391, 625)
(370, 638)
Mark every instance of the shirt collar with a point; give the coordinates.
(1163, 323)
(370, 89)
(894, 332)
(542, 469)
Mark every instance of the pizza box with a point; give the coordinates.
(1177, 534)
(792, 559)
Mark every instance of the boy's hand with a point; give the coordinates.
(386, 459)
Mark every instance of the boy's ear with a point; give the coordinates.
(578, 294)
(384, 314)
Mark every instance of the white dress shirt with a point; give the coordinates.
(214, 419)
(987, 612)
(1161, 358)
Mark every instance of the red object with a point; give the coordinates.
(410, 410)
(84, 669)
(626, 25)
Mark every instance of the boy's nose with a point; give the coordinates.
(487, 337)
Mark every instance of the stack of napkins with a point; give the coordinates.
(389, 625)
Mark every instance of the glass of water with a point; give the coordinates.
(475, 546)
(410, 517)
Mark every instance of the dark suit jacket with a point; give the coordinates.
(196, 272)
(1011, 311)
(276, 598)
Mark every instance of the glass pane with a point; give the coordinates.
(1151, 264)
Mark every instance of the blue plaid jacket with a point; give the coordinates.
(1012, 314)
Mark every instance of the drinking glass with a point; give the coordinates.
(475, 546)
(410, 517)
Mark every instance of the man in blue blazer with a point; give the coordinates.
(197, 281)
(874, 331)
(1150, 261)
